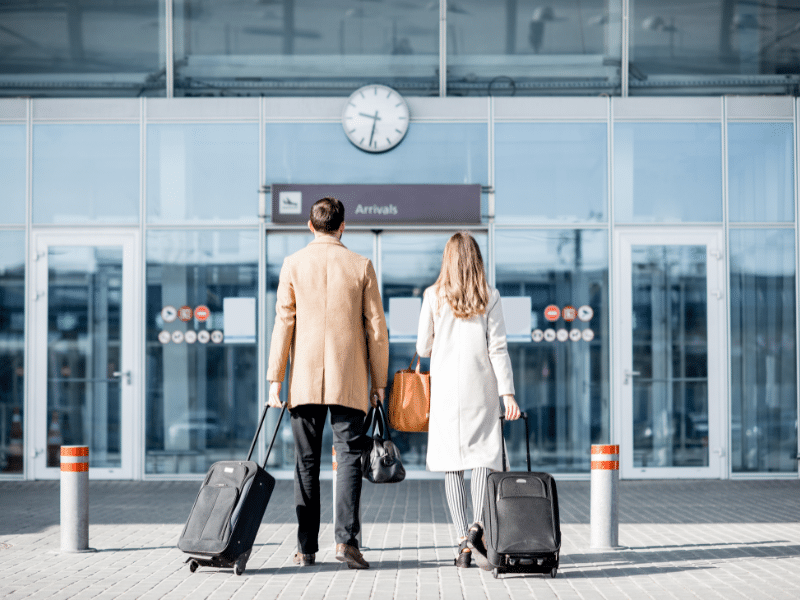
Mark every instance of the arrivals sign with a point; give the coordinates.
(368, 204)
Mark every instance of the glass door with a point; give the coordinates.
(84, 325)
(670, 352)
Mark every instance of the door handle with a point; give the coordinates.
(125, 374)
(629, 374)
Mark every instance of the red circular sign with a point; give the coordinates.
(185, 313)
(569, 313)
(201, 313)
(552, 312)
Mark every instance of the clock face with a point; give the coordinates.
(375, 118)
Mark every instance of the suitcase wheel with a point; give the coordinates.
(496, 573)
(240, 565)
(553, 572)
(193, 566)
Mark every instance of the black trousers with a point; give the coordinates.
(308, 422)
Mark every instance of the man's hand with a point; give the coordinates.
(274, 399)
(512, 408)
(377, 394)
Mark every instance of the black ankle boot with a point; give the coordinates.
(464, 558)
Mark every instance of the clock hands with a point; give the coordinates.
(375, 118)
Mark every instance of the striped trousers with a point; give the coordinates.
(457, 497)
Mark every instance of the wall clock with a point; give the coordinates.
(375, 118)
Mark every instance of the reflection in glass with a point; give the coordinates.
(563, 386)
(12, 351)
(85, 174)
(108, 49)
(687, 46)
(430, 153)
(513, 48)
(670, 356)
(549, 172)
(203, 172)
(84, 309)
(410, 263)
(201, 395)
(763, 351)
(760, 172)
(667, 172)
(13, 156)
(279, 246)
(305, 47)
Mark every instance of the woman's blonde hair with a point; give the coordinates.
(462, 281)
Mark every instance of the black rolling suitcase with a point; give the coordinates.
(521, 522)
(224, 520)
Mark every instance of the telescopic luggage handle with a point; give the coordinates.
(274, 435)
(524, 416)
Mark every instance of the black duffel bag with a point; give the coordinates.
(380, 461)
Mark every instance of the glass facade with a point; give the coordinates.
(201, 353)
(13, 158)
(85, 173)
(563, 181)
(667, 172)
(535, 167)
(53, 48)
(202, 173)
(437, 48)
(763, 351)
(562, 382)
(12, 351)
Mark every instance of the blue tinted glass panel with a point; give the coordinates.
(85, 174)
(12, 359)
(667, 172)
(505, 48)
(760, 172)
(551, 172)
(430, 153)
(563, 385)
(108, 49)
(201, 389)
(13, 157)
(763, 351)
(305, 47)
(202, 173)
(694, 45)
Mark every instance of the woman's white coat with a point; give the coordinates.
(470, 370)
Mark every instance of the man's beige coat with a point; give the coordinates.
(329, 320)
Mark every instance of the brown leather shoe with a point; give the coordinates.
(303, 560)
(351, 555)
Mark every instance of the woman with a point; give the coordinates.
(461, 328)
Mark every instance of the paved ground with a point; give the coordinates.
(684, 539)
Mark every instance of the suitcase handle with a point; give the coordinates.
(274, 435)
(524, 416)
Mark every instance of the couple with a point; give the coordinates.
(329, 319)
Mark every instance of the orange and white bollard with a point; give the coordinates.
(75, 499)
(604, 516)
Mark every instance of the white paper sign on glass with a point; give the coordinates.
(517, 317)
(239, 320)
(404, 317)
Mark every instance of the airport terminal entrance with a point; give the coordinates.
(84, 317)
(670, 314)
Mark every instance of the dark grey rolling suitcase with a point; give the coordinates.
(224, 520)
(521, 521)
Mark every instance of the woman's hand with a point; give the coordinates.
(512, 408)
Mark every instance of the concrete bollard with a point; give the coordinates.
(604, 497)
(75, 499)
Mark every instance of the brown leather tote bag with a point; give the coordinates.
(410, 399)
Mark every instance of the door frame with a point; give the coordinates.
(717, 306)
(37, 306)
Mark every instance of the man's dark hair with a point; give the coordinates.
(327, 215)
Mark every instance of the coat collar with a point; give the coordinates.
(326, 239)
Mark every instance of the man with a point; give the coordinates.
(329, 319)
